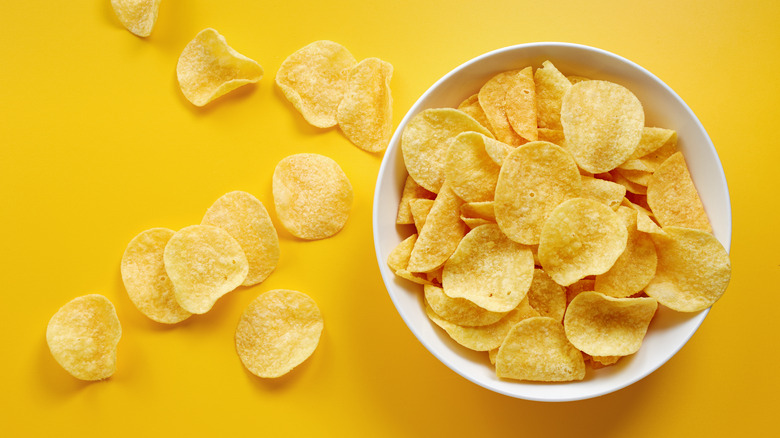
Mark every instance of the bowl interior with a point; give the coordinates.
(669, 330)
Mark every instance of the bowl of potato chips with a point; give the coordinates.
(552, 221)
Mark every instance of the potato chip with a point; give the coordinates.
(578, 287)
(83, 335)
(575, 79)
(581, 237)
(521, 105)
(441, 233)
(693, 269)
(277, 332)
(204, 263)
(534, 179)
(652, 140)
(365, 114)
(469, 170)
(398, 261)
(482, 210)
(603, 123)
(137, 16)
(459, 311)
(425, 141)
(631, 187)
(673, 197)
(314, 80)
(546, 296)
(607, 192)
(420, 209)
(493, 100)
(536, 349)
(489, 269)
(312, 196)
(208, 68)
(598, 362)
(411, 190)
(554, 136)
(634, 269)
(246, 219)
(492, 356)
(601, 325)
(497, 151)
(639, 177)
(551, 86)
(472, 107)
(145, 278)
(647, 225)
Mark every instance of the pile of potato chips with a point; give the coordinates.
(550, 223)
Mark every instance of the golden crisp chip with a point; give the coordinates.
(575, 79)
(546, 296)
(472, 107)
(602, 122)
(634, 269)
(601, 325)
(521, 104)
(492, 356)
(534, 179)
(497, 151)
(489, 270)
(551, 86)
(209, 68)
(493, 100)
(83, 336)
(693, 269)
(425, 141)
(312, 196)
(597, 362)
(365, 114)
(441, 233)
(639, 177)
(314, 80)
(145, 278)
(277, 332)
(607, 192)
(137, 16)
(411, 190)
(420, 209)
(459, 311)
(578, 287)
(203, 263)
(647, 225)
(246, 219)
(398, 261)
(479, 210)
(581, 237)
(473, 222)
(673, 197)
(630, 186)
(536, 349)
(652, 140)
(469, 170)
(554, 136)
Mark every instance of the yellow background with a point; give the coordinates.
(97, 144)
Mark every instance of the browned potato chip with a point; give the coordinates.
(83, 336)
(546, 296)
(521, 105)
(469, 170)
(137, 16)
(493, 100)
(551, 86)
(441, 233)
(411, 190)
(459, 311)
(472, 107)
(365, 114)
(673, 197)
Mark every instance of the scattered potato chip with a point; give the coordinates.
(546, 296)
(472, 107)
(536, 349)
(145, 278)
(208, 68)
(693, 269)
(459, 311)
(365, 114)
(83, 336)
(312, 195)
(534, 179)
(607, 192)
(441, 233)
(314, 80)
(673, 197)
(551, 86)
(204, 263)
(469, 170)
(493, 100)
(137, 16)
(411, 190)
(600, 325)
(420, 209)
(277, 332)
(521, 105)
(246, 219)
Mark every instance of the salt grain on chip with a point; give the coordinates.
(365, 114)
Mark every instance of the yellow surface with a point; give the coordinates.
(98, 144)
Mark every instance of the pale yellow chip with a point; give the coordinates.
(489, 270)
(693, 271)
(277, 332)
(634, 269)
(145, 278)
(365, 114)
(521, 105)
(398, 261)
(312, 196)
(607, 192)
(551, 86)
(411, 190)
(469, 170)
(246, 219)
(459, 311)
(581, 237)
(673, 197)
(472, 107)
(441, 233)
(137, 16)
(204, 263)
(83, 336)
(603, 123)
(601, 325)
(534, 179)
(208, 68)
(493, 100)
(420, 209)
(546, 296)
(425, 141)
(314, 80)
(536, 349)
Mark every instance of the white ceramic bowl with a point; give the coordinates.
(669, 330)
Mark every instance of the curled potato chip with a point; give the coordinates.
(607, 192)
(398, 261)
(365, 114)
(534, 179)
(551, 86)
(312, 195)
(314, 80)
(581, 237)
(536, 349)
(521, 105)
(204, 263)
(472, 107)
(459, 311)
(145, 279)
(469, 170)
(673, 197)
(489, 269)
(441, 233)
(411, 190)
(651, 141)
(246, 219)
(601, 325)
(479, 210)
(277, 332)
(208, 68)
(420, 209)
(693, 270)
(546, 296)
(137, 16)
(83, 335)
